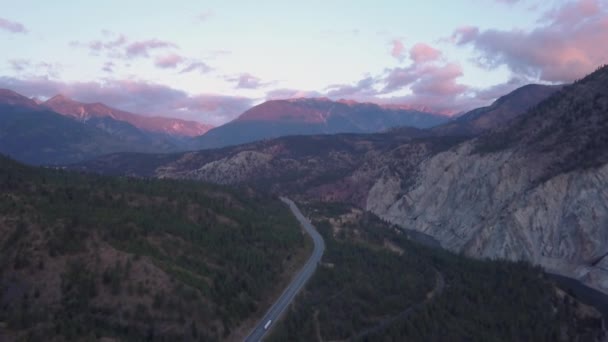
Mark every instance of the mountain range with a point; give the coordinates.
(310, 116)
(155, 124)
(530, 186)
(61, 130)
(36, 133)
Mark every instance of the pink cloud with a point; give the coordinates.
(397, 49)
(569, 44)
(440, 81)
(421, 52)
(170, 61)
(12, 26)
(574, 12)
(432, 82)
(425, 79)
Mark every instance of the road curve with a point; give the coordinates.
(298, 281)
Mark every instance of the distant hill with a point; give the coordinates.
(500, 112)
(37, 135)
(86, 111)
(309, 116)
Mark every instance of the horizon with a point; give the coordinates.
(192, 62)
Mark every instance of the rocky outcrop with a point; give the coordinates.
(486, 207)
(230, 170)
(536, 190)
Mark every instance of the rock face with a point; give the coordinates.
(535, 190)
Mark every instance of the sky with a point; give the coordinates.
(210, 60)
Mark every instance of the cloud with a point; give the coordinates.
(424, 53)
(364, 87)
(508, 2)
(205, 15)
(196, 65)
(28, 67)
(429, 81)
(464, 34)
(218, 108)
(427, 75)
(142, 48)
(170, 61)
(397, 49)
(247, 81)
(573, 12)
(137, 96)
(286, 93)
(438, 80)
(97, 46)
(12, 26)
(569, 43)
(19, 65)
(119, 46)
(108, 67)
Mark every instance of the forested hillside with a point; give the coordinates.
(85, 256)
(377, 285)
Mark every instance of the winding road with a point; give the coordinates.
(298, 281)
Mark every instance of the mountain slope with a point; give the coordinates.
(13, 99)
(503, 110)
(43, 137)
(534, 189)
(377, 285)
(339, 167)
(84, 257)
(85, 111)
(277, 118)
(344, 167)
(34, 134)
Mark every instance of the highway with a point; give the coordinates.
(275, 311)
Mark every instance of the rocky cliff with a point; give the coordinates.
(536, 189)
